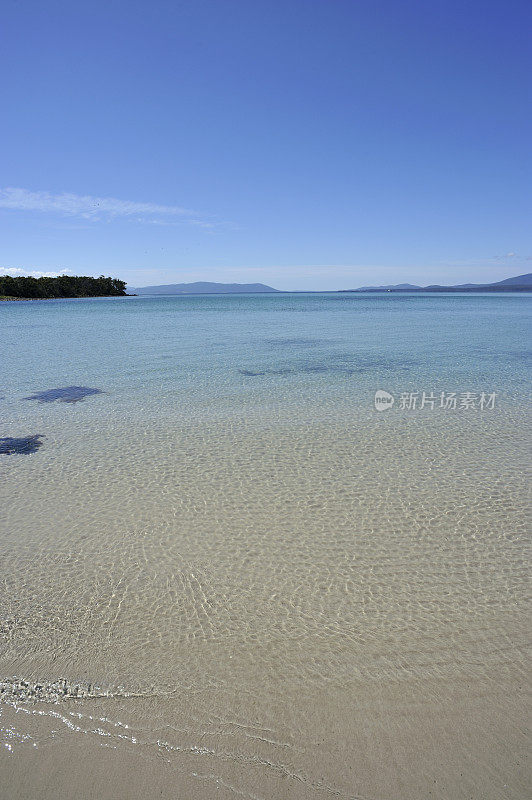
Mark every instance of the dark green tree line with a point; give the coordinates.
(62, 286)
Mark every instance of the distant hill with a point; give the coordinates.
(520, 283)
(404, 286)
(519, 280)
(204, 287)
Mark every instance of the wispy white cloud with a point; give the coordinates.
(513, 256)
(192, 221)
(97, 208)
(17, 272)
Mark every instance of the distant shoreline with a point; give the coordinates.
(344, 291)
(6, 298)
(441, 290)
(71, 287)
(487, 290)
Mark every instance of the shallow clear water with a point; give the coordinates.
(251, 574)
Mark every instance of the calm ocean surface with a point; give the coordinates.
(246, 575)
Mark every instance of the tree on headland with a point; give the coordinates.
(62, 286)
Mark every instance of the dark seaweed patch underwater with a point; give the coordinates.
(337, 364)
(23, 446)
(66, 394)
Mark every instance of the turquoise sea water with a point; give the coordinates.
(233, 352)
(227, 547)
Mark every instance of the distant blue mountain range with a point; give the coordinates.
(520, 283)
(204, 287)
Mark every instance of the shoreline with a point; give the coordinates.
(6, 298)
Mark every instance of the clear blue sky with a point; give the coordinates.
(297, 143)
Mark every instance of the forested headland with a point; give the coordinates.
(62, 286)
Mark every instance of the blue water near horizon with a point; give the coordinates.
(218, 351)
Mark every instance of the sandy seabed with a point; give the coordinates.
(320, 609)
